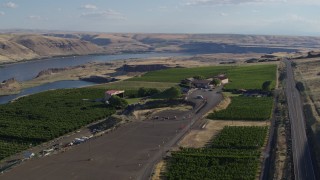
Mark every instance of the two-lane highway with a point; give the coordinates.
(303, 167)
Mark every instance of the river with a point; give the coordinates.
(28, 70)
(25, 71)
(45, 87)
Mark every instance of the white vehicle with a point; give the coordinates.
(78, 140)
(199, 97)
(85, 138)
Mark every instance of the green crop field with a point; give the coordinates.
(251, 77)
(175, 75)
(224, 158)
(246, 108)
(240, 137)
(202, 166)
(134, 85)
(47, 115)
(241, 77)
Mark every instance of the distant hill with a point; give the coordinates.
(24, 47)
(18, 45)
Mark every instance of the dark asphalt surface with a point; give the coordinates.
(129, 152)
(303, 167)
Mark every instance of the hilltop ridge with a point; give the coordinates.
(15, 47)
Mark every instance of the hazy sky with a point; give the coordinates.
(291, 17)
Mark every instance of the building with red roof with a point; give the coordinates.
(110, 93)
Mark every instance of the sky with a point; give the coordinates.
(273, 17)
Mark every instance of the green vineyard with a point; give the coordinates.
(8, 148)
(246, 108)
(240, 137)
(44, 116)
(224, 158)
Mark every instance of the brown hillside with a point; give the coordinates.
(25, 47)
(12, 51)
(17, 46)
(55, 46)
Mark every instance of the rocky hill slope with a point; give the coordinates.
(17, 46)
(25, 47)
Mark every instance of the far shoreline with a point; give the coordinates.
(3, 64)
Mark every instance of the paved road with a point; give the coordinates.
(303, 168)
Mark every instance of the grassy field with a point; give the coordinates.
(134, 85)
(175, 75)
(225, 158)
(251, 77)
(133, 100)
(246, 108)
(47, 115)
(241, 77)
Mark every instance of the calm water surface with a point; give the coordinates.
(46, 87)
(28, 70)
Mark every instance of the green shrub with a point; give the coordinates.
(117, 102)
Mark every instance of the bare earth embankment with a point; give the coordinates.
(308, 73)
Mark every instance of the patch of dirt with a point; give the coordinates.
(10, 86)
(142, 115)
(281, 154)
(223, 104)
(158, 170)
(198, 138)
(307, 72)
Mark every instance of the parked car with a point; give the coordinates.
(199, 97)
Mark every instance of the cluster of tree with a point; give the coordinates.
(171, 93)
(185, 84)
(117, 102)
(294, 64)
(266, 86)
(199, 77)
(300, 86)
(143, 92)
(216, 81)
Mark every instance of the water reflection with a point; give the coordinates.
(45, 87)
